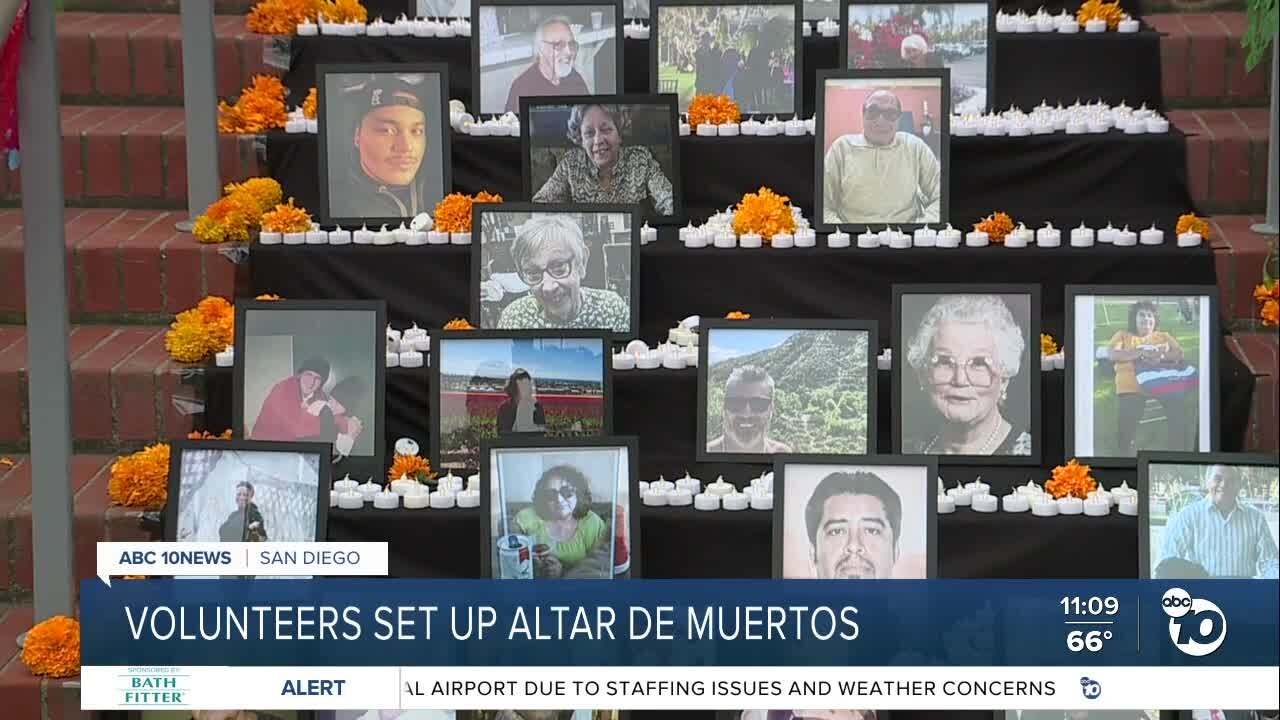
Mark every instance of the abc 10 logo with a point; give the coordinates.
(1197, 627)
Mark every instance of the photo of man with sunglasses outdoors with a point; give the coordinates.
(748, 410)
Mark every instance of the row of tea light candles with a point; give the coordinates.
(1031, 497)
(721, 235)
(347, 494)
(401, 27)
(1063, 22)
(718, 495)
(407, 348)
(772, 127)
(1077, 119)
(418, 233)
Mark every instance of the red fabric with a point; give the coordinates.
(283, 418)
(10, 56)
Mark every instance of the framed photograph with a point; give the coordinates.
(384, 150)
(1208, 515)
(959, 36)
(492, 384)
(750, 52)
(552, 267)
(1142, 371)
(247, 491)
(390, 715)
(574, 146)
(524, 48)
(218, 715)
(313, 370)
(855, 518)
(545, 715)
(1079, 715)
(966, 373)
(801, 714)
(560, 509)
(768, 387)
(442, 9)
(882, 152)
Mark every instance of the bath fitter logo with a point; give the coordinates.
(155, 687)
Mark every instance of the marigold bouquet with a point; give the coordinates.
(52, 648)
(280, 17)
(141, 480)
(286, 218)
(1048, 346)
(1191, 223)
(1072, 479)
(737, 315)
(765, 213)
(713, 110)
(1098, 10)
(239, 213)
(309, 105)
(453, 213)
(997, 226)
(343, 11)
(259, 108)
(459, 324)
(413, 467)
(1267, 295)
(204, 330)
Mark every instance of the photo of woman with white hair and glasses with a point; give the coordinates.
(556, 268)
(622, 150)
(966, 378)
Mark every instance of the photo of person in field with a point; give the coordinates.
(517, 386)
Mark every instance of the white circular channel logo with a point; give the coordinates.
(1197, 627)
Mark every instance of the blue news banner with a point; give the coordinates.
(388, 622)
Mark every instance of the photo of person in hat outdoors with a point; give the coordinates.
(384, 144)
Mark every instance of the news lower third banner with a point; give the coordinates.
(679, 644)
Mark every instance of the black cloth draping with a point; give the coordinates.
(1111, 177)
(1029, 67)
(660, 408)
(430, 285)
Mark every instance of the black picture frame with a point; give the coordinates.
(606, 359)
(142, 714)
(1211, 338)
(529, 105)
(634, 501)
(798, 96)
(618, 39)
(992, 9)
(441, 137)
(179, 447)
(1031, 365)
(363, 465)
(737, 714)
(708, 326)
(1148, 458)
(479, 210)
(942, 122)
(928, 462)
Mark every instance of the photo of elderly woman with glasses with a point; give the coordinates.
(966, 387)
(613, 151)
(556, 269)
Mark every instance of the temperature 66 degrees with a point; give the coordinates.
(1090, 640)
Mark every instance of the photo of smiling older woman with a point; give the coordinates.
(559, 511)
(618, 150)
(385, 152)
(556, 268)
(967, 376)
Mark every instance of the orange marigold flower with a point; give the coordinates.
(228, 219)
(1263, 292)
(343, 11)
(459, 324)
(259, 108)
(484, 196)
(52, 648)
(1048, 346)
(765, 213)
(266, 192)
(453, 213)
(268, 297)
(1072, 479)
(141, 480)
(309, 105)
(737, 315)
(1191, 223)
(288, 218)
(1098, 10)
(206, 435)
(280, 17)
(713, 110)
(1270, 313)
(6, 461)
(996, 226)
(413, 467)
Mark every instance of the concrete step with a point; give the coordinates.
(122, 265)
(1226, 158)
(23, 696)
(129, 156)
(1202, 63)
(126, 391)
(137, 57)
(1260, 352)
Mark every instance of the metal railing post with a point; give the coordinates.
(1272, 224)
(200, 98)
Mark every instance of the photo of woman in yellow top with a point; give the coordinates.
(1152, 379)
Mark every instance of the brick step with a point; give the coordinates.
(222, 7)
(1239, 254)
(129, 265)
(1260, 352)
(1226, 158)
(1187, 6)
(1202, 63)
(126, 391)
(21, 694)
(131, 157)
(137, 57)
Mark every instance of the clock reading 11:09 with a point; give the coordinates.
(1093, 605)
